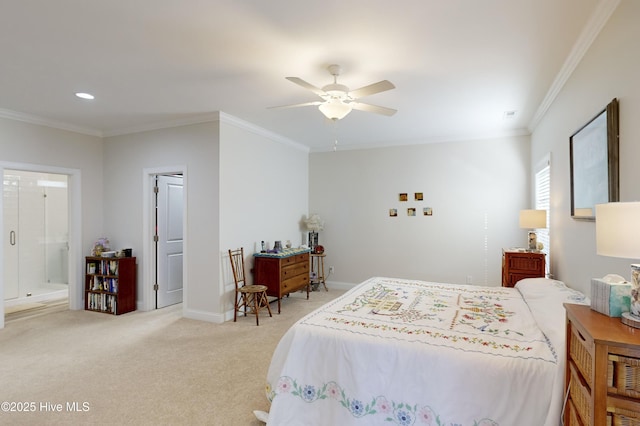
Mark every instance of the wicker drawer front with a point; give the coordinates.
(574, 419)
(580, 396)
(581, 350)
(623, 375)
(622, 412)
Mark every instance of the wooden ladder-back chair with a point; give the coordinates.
(251, 297)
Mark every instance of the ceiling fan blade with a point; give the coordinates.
(316, 103)
(308, 86)
(371, 89)
(372, 108)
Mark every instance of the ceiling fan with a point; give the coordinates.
(338, 100)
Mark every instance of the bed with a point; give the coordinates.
(408, 352)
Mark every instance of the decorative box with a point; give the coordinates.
(611, 299)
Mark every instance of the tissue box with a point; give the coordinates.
(611, 299)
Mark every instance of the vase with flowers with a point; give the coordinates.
(100, 246)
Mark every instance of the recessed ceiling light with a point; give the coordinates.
(85, 95)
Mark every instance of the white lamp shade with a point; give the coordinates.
(314, 223)
(618, 230)
(335, 109)
(533, 219)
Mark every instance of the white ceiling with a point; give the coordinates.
(457, 65)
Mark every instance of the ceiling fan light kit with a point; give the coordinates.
(338, 100)
(335, 109)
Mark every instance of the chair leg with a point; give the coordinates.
(256, 307)
(266, 302)
(235, 308)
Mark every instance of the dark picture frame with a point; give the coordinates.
(594, 163)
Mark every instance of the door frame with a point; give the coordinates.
(74, 263)
(147, 296)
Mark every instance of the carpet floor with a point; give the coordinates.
(79, 367)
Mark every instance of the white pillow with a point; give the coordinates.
(545, 288)
(545, 298)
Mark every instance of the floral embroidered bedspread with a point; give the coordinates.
(407, 352)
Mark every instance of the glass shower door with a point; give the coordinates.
(11, 217)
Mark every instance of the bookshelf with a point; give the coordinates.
(110, 284)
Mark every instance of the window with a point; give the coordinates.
(542, 201)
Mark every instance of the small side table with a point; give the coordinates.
(317, 266)
(521, 264)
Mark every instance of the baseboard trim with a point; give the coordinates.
(203, 316)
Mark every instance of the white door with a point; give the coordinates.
(169, 212)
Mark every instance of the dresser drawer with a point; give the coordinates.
(574, 419)
(623, 375)
(581, 349)
(298, 258)
(622, 412)
(295, 283)
(580, 395)
(295, 269)
(524, 262)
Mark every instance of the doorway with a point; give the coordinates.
(36, 237)
(168, 240)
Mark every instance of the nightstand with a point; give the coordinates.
(602, 369)
(521, 264)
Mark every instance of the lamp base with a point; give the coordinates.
(533, 241)
(631, 320)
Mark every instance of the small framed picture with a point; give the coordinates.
(427, 211)
(403, 196)
(418, 196)
(393, 212)
(411, 211)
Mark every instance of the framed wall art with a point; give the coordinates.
(594, 163)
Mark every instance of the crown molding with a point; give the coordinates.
(166, 124)
(238, 122)
(595, 24)
(461, 137)
(41, 121)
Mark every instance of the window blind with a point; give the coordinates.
(543, 202)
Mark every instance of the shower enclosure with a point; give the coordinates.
(35, 212)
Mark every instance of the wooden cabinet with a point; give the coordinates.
(518, 265)
(282, 273)
(602, 369)
(110, 284)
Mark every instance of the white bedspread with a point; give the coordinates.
(393, 351)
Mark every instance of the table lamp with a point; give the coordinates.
(314, 224)
(533, 219)
(618, 235)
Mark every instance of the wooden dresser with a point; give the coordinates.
(282, 273)
(518, 265)
(602, 369)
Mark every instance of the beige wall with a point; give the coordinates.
(610, 69)
(476, 189)
(264, 193)
(25, 146)
(194, 150)
(243, 185)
